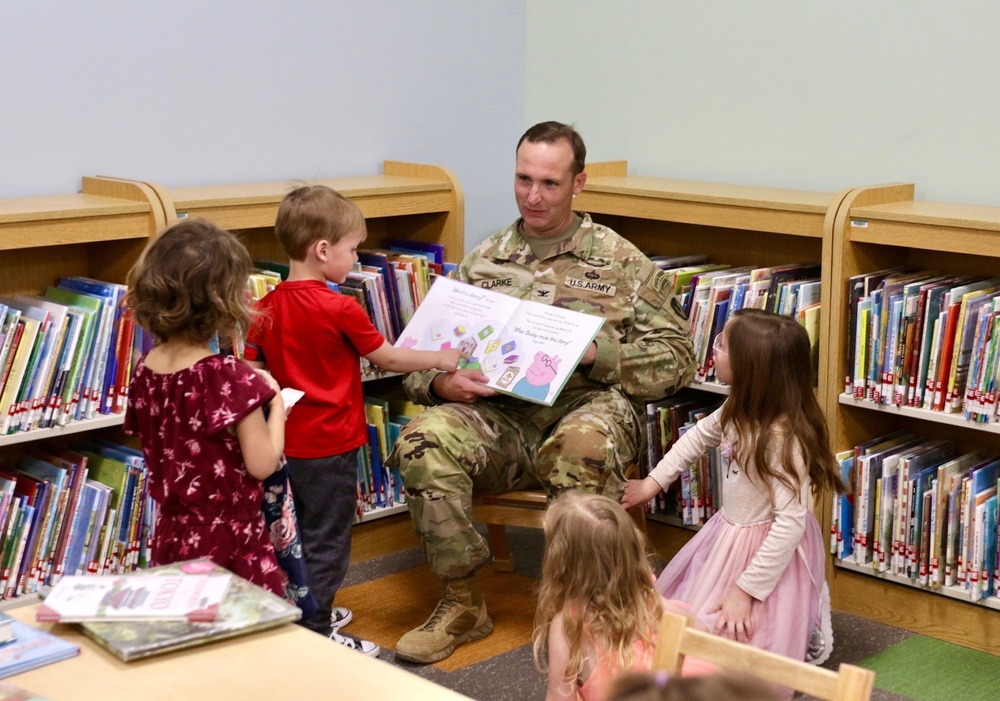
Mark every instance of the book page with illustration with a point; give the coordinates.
(525, 348)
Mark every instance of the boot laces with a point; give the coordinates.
(447, 603)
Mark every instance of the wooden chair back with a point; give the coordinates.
(677, 639)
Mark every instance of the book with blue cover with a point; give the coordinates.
(31, 648)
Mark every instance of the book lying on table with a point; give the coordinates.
(30, 648)
(247, 608)
(6, 627)
(527, 349)
(176, 596)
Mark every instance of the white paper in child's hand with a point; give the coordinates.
(290, 395)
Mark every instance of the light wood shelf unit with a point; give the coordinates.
(740, 225)
(880, 227)
(98, 232)
(407, 201)
(733, 224)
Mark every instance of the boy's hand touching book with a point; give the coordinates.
(449, 359)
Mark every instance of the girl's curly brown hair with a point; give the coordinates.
(191, 283)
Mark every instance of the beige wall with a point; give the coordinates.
(786, 93)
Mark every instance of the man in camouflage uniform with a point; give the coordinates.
(472, 438)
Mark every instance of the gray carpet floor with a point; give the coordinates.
(512, 676)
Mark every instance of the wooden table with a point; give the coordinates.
(288, 662)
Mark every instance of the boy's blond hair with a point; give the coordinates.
(315, 213)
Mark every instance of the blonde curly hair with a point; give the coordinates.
(596, 573)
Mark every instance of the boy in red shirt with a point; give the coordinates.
(312, 338)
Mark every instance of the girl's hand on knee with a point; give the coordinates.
(639, 492)
(734, 611)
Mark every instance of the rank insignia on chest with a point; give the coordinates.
(590, 285)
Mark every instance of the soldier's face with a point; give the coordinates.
(544, 186)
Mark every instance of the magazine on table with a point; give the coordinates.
(179, 596)
(527, 349)
(246, 609)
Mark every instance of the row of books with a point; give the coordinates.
(79, 511)
(381, 487)
(65, 355)
(918, 510)
(388, 283)
(922, 339)
(697, 494)
(711, 293)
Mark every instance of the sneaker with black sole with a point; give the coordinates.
(365, 647)
(340, 617)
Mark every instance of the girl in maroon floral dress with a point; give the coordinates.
(200, 416)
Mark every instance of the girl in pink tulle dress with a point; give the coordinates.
(755, 570)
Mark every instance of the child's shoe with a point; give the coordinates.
(365, 647)
(340, 617)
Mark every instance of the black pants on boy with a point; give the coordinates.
(325, 491)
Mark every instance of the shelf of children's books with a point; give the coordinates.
(101, 421)
(952, 592)
(923, 414)
(382, 512)
(16, 602)
(714, 387)
(671, 520)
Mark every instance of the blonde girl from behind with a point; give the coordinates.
(598, 611)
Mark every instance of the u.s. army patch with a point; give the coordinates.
(602, 288)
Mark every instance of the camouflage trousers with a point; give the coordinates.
(450, 450)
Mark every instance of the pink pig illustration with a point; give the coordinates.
(541, 372)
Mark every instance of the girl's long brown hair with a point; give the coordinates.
(771, 400)
(596, 572)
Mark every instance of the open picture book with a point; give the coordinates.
(525, 348)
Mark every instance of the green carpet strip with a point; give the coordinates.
(926, 669)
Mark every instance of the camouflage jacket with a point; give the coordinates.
(643, 347)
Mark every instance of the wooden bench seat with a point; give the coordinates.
(525, 508)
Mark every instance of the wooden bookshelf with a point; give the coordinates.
(732, 224)
(735, 224)
(98, 232)
(407, 201)
(881, 227)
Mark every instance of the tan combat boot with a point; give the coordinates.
(460, 617)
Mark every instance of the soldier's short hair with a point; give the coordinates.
(553, 132)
